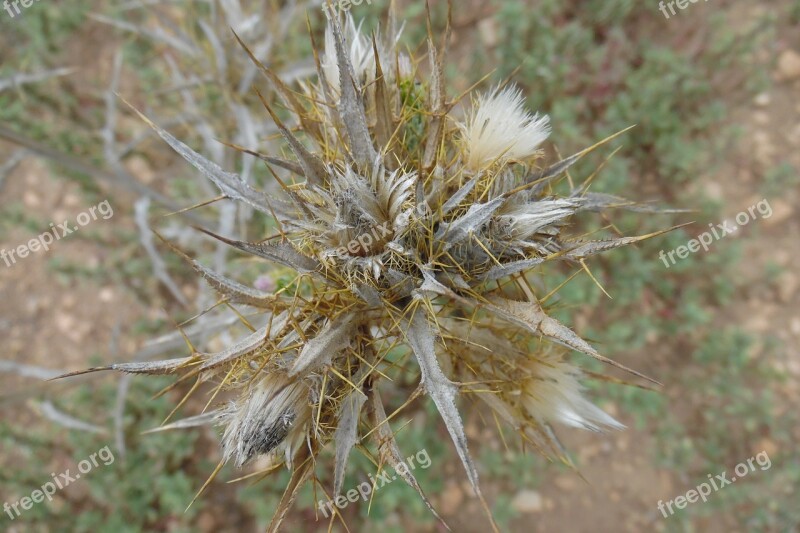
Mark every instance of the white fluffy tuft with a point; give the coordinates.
(500, 129)
(361, 54)
(554, 394)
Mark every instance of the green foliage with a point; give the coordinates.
(732, 406)
(158, 477)
(779, 179)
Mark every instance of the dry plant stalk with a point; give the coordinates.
(413, 235)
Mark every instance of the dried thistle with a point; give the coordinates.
(411, 232)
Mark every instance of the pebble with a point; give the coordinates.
(762, 100)
(140, 167)
(768, 446)
(451, 498)
(488, 30)
(72, 200)
(781, 211)
(788, 66)
(106, 294)
(566, 482)
(527, 501)
(31, 200)
(64, 323)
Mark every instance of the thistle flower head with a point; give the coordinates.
(359, 49)
(415, 237)
(500, 129)
(270, 416)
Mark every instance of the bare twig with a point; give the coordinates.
(11, 164)
(49, 411)
(20, 79)
(29, 371)
(125, 180)
(141, 208)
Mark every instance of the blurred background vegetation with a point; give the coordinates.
(713, 93)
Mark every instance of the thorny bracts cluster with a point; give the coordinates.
(467, 213)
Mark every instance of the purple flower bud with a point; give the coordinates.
(265, 283)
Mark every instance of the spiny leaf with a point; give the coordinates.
(421, 338)
(461, 228)
(250, 344)
(346, 435)
(190, 422)
(283, 253)
(313, 167)
(351, 105)
(530, 315)
(228, 183)
(499, 272)
(332, 338)
(388, 449)
(583, 250)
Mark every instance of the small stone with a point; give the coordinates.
(762, 100)
(451, 498)
(527, 501)
(589, 452)
(206, 521)
(566, 482)
(788, 66)
(139, 167)
(782, 258)
(30, 199)
(64, 323)
(745, 175)
(781, 211)
(106, 294)
(72, 200)
(472, 430)
(769, 446)
(488, 30)
(713, 189)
